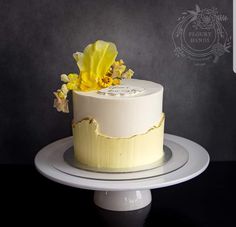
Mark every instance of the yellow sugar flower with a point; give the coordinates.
(105, 81)
(128, 74)
(72, 86)
(73, 77)
(119, 63)
(64, 89)
(116, 81)
(64, 78)
(86, 83)
(98, 69)
(96, 59)
(60, 94)
(61, 104)
(73, 81)
(118, 70)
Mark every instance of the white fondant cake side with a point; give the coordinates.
(121, 115)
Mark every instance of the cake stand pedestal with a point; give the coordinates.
(126, 191)
(123, 200)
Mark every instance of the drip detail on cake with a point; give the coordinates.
(94, 149)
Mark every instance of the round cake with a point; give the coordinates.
(119, 128)
(118, 123)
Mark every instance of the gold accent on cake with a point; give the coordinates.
(93, 149)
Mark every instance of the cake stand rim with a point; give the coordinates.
(196, 164)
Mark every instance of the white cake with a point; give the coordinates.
(119, 128)
(118, 122)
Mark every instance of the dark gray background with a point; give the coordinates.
(37, 39)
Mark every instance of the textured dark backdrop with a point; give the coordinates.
(37, 39)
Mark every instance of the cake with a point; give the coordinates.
(118, 122)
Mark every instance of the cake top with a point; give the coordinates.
(98, 70)
(129, 89)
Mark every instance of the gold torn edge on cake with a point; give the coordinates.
(93, 149)
(95, 126)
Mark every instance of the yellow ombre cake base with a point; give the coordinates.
(97, 151)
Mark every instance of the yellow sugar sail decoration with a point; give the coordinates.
(98, 69)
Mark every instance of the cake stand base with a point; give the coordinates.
(123, 191)
(123, 200)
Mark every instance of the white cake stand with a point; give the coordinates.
(128, 191)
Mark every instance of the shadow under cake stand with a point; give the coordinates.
(184, 160)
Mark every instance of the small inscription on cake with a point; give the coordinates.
(121, 90)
